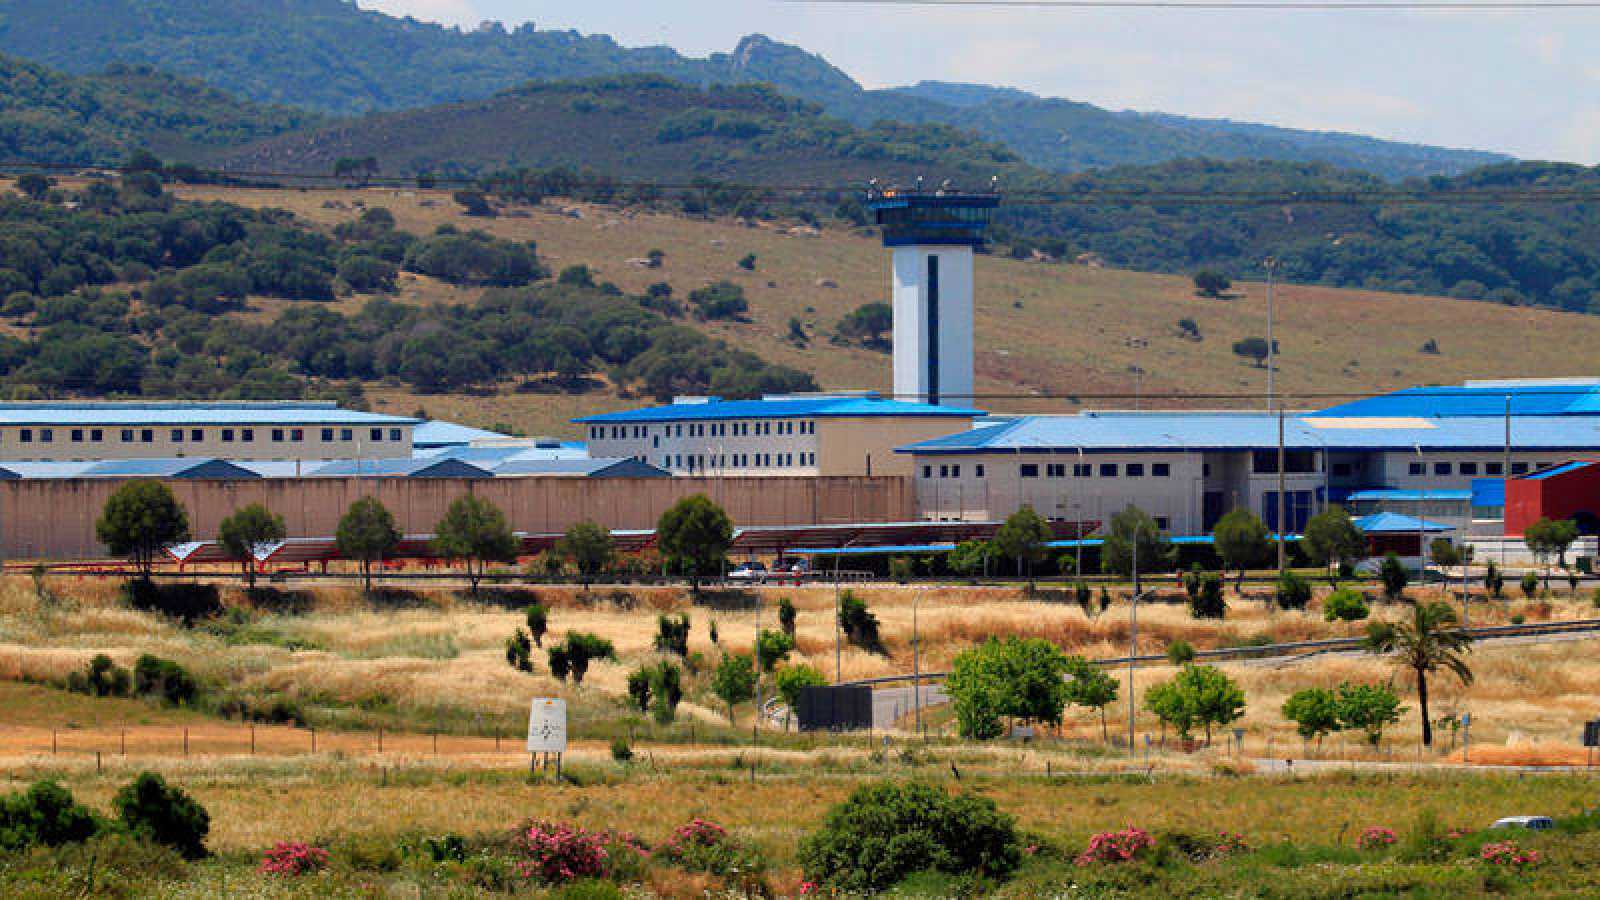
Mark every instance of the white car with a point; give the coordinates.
(1532, 823)
(753, 572)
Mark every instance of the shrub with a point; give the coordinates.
(773, 647)
(859, 624)
(1180, 652)
(188, 602)
(1530, 585)
(44, 814)
(1116, 846)
(1508, 854)
(519, 651)
(672, 634)
(1206, 600)
(886, 831)
(538, 622)
(787, 614)
(1376, 837)
(163, 814)
(103, 678)
(164, 680)
(556, 853)
(1345, 605)
(1293, 592)
(620, 751)
(291, 859)
(702, 846)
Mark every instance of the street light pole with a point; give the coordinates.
(1133, 635)
(916, 662)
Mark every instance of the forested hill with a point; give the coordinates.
(48, 116)
(329, 55)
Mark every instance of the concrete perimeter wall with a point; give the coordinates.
(54, 518)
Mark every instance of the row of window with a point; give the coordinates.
(1469, 468)
(702, 429)
(198, 435)
(699, 462)
(1105, 470)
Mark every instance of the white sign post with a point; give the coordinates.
(547, 729)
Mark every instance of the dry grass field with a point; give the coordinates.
(1041, 327)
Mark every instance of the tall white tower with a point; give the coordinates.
(933, 236)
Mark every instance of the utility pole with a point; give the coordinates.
(916, 662)
(1283, 531)
(1272, 345)
(1133, 636)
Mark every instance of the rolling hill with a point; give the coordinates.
(331, 56)
(48, 116)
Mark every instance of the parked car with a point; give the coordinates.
(753, 572)
(1532, 823)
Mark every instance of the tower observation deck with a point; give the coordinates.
(932, 236)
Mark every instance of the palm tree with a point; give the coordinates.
(1427, 643)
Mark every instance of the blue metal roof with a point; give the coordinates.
(1179, 431)
(1403, 494)
(586, 468)
(776, 408)
(1481, 399)
(449, 434)
(405, 467)
(1395, 523)
(220, 413)
(1562, 469)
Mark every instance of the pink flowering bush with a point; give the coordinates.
(702, 846)
(1116, 846)
(556, 852)
(1376, 837)
(1508, 854)
(293, 858)
(1229, 843)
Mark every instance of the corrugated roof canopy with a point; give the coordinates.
(776, 408)
(215, 413)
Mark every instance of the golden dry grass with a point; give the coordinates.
(1039, 326)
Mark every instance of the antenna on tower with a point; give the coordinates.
(919, 184)
(994, 184)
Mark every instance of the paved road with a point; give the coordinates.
(889, 705)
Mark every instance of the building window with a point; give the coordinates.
(297, 435)
(1082, 470)
(1161, 470)
(227, 435)
(1441, 468)
(46, 435)
(96, 435)
(1135, 470)
(955, 471)
(277, 434)
(1029, 470)
(375, 435)
(327, 435)
(1055, 470)
(394, 434)
(944, 471)
(1341, 470)
(127, 435)
(177, 435)
(1469, 468)
(978, 470)
(1494, 469)
(147, 435)
(347, 435)
(1416, 469)
(77, 435)
(27, 435)
(197, 435)
(1205, 470)
(1163, 523)
(1108, 470)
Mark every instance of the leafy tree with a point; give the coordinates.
(901, 568)
(1530, 585)
(519, 651)
(1023, 537)
(792, 680)
(672, 634)
(772, 647)
(1208, 601)
(474, 203)
(1197, 695)
(1315, 713)
(639, 688)
(1424, 644)
(1345, 605)
(868, 323)
(1254, 349)
(786, 616)
(1394, 576)
(970, 557)
(1550, 537)
(589, 547)
(1211, 283)
(722, 300)
(734, 681)
(694, 536)
(1180, 652)
(582, 648)
(1242, 541)
(748, 262)
(1332, 538)
(1017, 677)
(1293, 592)
(1091, 687)
(1368, 708)
(475, 532)
(666, 691)
(241, 533)
(46, 814)
(560, 662)
(139, 519)
(1494, 581)
(1130, 530)
(538, 618)
(34, 186)
(366, 534)
(152, 809)
(859, 624)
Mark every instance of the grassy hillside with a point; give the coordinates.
(48, 116)
(332, 56)
(1041, 326)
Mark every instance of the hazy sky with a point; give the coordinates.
(1525, 82)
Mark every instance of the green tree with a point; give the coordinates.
(1315, 713)
(672, 634)
(792, 680)
(1332, 539)
(1091, 687)
(582, 648)
(1345, 605)
(475, 532)
(1208, 601)
(734, 681)
(366, 534)
(786, 616)
(694, 535)
(1254, 349)
(1017, 677)
(138, 520)
(970, 557)
(538, 618)
(666, 690)
(1211, 283)
(1132, 530)
(859, 623)
(1180, 652)
(772, 647)
(1394, 576)
(589, 547)
(158, 812)
(34, 186)
(1424, 644)
(1197, 695)
(868, 324)
(1368, 708)
(1242, 541)
(1292, 592)
(1548, 538)
(248, 528)
(1494, 581)
(1023, 537)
